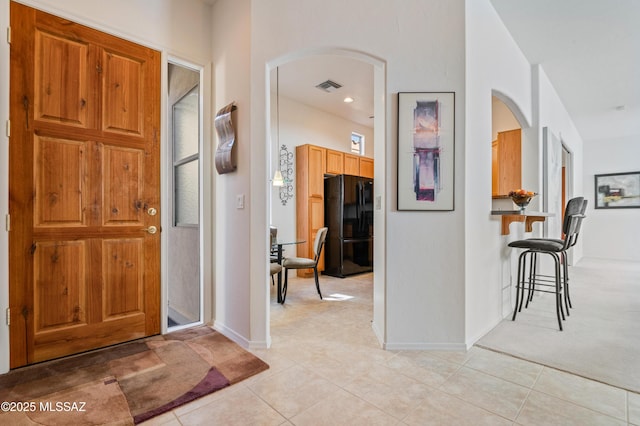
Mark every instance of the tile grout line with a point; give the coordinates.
(526, 399)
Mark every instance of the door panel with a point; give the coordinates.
(60, 181)
(61, 79)
(123, 269)
(123, 186)
(84, 169)
(123, 93)
(60, 285)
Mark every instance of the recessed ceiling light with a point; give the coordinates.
(348, 100)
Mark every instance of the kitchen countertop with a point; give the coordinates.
(528, 217)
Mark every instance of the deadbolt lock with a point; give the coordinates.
(152, 211)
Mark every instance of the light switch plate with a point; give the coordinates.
(378, 202)
(240, 201)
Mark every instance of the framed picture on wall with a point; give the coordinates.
(617, 190)
(426, 148)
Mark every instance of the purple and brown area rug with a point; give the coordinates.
(125, 384)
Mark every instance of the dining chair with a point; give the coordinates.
(274, 268)
(273, 254)
(555, 249)
(305, 263)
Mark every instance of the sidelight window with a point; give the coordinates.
(186, 159)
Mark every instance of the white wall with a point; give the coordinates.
(423, 302)
(235, 228)
(610, 233)
(495, 65)
(553, 115)
(175, 27)
(301, 124)
(439, 275)
(455, 295)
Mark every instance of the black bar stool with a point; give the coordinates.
(555, 249)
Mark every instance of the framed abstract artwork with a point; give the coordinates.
(426, 150)
(617, 190)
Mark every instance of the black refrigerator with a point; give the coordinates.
(348, 213)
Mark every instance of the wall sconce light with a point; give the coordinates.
(286, 174)
(283, 177)
(277, 179)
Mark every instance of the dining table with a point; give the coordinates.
(278, 245)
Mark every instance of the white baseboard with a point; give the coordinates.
(425, 347)
(472, 341)
(227, 332)
(416, 346)
(378, 334)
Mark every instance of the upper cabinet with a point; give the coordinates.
(316, 166)
(366, 167)
(335, 160)
(351, 164)
(338, 163)
(506, 167)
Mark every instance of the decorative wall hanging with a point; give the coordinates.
(225, 154)
(286, 168)
(426, 146)
(617, 190)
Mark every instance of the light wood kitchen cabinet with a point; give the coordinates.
(310, 170)
(366, 167)
(312, 163)
(352, 164)
(506, 167)
(335, 161)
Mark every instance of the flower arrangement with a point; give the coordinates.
(522, 197)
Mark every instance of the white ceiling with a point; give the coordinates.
(297, 80)
(589, 49)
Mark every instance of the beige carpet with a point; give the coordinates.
(601, 337)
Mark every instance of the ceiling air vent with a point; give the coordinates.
(329, 86)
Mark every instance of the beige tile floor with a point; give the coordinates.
(326, 368)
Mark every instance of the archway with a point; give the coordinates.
(379, 154)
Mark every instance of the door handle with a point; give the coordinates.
(151, 229)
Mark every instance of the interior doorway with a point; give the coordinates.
(184, 231)
(280, 133)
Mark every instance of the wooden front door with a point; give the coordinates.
(84, 182)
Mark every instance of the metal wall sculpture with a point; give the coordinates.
(225, 158)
